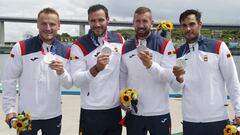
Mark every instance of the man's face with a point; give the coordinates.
(142, 24)
(98, 22)
(190, 28)
(48, 25)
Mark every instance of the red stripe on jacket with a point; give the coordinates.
(22, 46)
(81, 47)
(219, 42)
(165, 42)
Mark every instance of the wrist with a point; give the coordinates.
(179, 79)
(60, 72)
(96, 69)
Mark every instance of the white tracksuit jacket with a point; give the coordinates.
(39, 86)
(210, 70)
(102, 91)
(151, 84)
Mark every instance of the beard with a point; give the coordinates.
(99, 31)
(142, 33)
(47, 38)
(191, 39)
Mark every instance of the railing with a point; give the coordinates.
(83, 23)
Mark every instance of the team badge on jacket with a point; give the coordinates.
(116, 50)
(73, 58)
(12, 55)
(205, 58)
(229, 55)
(171, 52)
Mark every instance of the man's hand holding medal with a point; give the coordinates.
(144, 53)
(178, 69)
(54, 63)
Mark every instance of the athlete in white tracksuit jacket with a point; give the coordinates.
(39, 82)
(148, 71)
(210, 76)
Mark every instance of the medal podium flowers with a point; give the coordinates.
(128, 99)
(165, 28)
(231, 129)
(21, 123)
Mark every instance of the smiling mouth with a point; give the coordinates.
(141, 31)
(49, 34)
(189, 34)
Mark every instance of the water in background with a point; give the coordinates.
(73, 90)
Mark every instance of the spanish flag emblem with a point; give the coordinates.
(12, 55)
(205, 58)
(229, 55)
(116, 50)
(73, 58)
(171, 52)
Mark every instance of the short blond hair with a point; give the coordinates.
(48, 11)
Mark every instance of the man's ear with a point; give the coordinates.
(37, 24)
(59, 24)
(108, 20)
(152, 22)
(200, 24)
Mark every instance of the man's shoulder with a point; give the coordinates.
(82, 38)
(128, 46)
(85, 43)
(158, 40)
(115, 37)
(209, 41)
(210, 45)
(30, 45)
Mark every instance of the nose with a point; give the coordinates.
(96, 24)
(48, 27)
(140, 25)
(188, 28)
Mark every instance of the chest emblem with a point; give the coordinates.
(33, 59)
(115, 49)
(205, 58)
(229, 55)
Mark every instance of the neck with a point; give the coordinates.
(102, 35)
(143, 37)
(193, 40)
(49, 42)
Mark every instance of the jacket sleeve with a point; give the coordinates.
(161, 70)
(80, 74)
(123, 75)
(65, 78)
(169, 56)
(230, 76)
(10, 76)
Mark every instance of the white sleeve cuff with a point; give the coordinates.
(63, 74)
(11, 110)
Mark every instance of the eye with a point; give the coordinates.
(192, 24)
(183, 25)
(101, 20)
